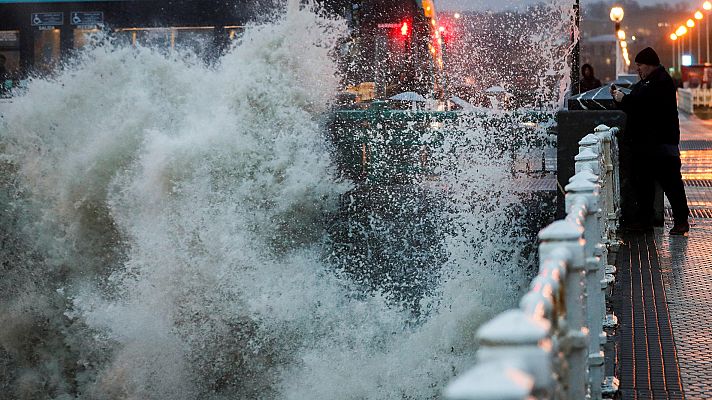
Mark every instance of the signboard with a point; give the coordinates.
(47, 19)
(86, 18)
(9, 38)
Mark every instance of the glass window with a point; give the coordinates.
(82, 37)
(12, 60)
(10, 53)
(47, 50)
(197, 40)
(161, 38)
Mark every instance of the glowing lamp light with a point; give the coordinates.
(621, 34)
(686, 60)
(707, 5)
(616, 14)
(681, 30)
(690, 23)
(698, 15)
(428, 8)
(673, 36)
(624, 44)
(404, 29)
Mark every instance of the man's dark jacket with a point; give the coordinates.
(651, 107)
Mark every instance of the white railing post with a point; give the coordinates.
(514, 353)
(567, 235)
(491, 381)
(597, 144)
(609, 180)
(587, 159)
(582, 188)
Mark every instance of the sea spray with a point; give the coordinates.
(166, 235)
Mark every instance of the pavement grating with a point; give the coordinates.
(695, 145)
(646, 358)
(698, 182)
(695, 213)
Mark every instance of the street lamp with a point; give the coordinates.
(708, 6)
(617, 16)
(673, 37)
(698, 16)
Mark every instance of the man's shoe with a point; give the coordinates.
(680, 228)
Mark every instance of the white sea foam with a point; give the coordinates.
(174, 222)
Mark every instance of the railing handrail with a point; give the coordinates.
(551, 345)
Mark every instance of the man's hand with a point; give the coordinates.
(618, 95)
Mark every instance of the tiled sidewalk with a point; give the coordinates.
(663, 292)
(686, 266)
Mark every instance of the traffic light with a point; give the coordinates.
(405, 29)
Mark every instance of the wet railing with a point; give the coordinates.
(691, 98)
(686, 100)
(551, 346)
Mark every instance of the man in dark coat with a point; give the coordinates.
(654, 131)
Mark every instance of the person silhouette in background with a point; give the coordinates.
(588, 80)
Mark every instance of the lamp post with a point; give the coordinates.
(616, 16)
(698, 17)
(673, 38)
(690, 24)
(708, 6)
(623, 45)
(680, 32)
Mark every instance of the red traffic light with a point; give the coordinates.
(405, 29)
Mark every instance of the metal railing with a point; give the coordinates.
(690, 98)
(685, 101)
(550, 347)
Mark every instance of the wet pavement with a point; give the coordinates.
(663, 291)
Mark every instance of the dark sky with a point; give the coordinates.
(512, 4)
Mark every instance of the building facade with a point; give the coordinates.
(36, 36)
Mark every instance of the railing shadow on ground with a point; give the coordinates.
(551, 345)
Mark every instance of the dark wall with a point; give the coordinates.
(130, 14)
